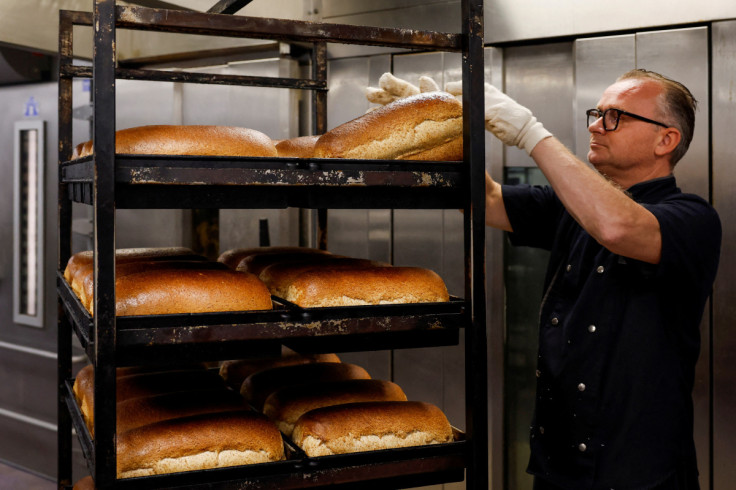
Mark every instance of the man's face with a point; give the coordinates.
(630, 147)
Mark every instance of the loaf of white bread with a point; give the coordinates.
(284, 406)
(426, 126)
(258, 386)
(187, 140)
(235, 371)
(144, 384)
(370, 426)
(160, 281)
(198, 442)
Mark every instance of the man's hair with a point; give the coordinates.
(677, 106)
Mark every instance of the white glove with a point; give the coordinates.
(509, 121)
(392, 88)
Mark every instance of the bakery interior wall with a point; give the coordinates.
(530, 68)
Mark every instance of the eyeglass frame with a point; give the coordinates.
(602, 115)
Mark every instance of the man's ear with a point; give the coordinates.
(669, 139)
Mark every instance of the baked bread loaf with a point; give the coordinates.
(86, 483)
(286, 405)
(84, 260)
(364, 286)
(198, 442)
(234, 372)
(370, 426)
(86, 277)
(189, 140)
(141, 385)
(299, 147)
(254, 259)
(278, 277)
(401, 130)
(137, 412)
(172, 291)
(258, 386)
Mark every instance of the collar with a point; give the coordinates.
(651, 191)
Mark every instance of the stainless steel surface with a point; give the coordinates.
(724, 308)
(529, 19)
(541, 77)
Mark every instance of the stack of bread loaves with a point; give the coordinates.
(313, 278)
(180, 420)
(155, 281)
(336, 408)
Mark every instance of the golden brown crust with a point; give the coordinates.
(398, 130)
(233, 257)
(140, 385)
(281, 275)
(300, 147)
(234, 372)
(137, 412)
(190, 140)
(366, 286)
(258, 386)
(86, 483)
(84, 259)
(452, 151)
(142, 448)
(85, 276)
(362, 426)
(171, 291)
(286, 405)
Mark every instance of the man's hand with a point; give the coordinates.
(508, 120)
(391, 88)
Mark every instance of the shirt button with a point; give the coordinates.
(591, 328)
(600, 269)
(581, 387)
(554, 321)
(582, 447)
(539, 373)
(568, 268)
(541, 430)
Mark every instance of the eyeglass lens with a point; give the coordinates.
(610, 118)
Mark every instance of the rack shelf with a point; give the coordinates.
(108, 181)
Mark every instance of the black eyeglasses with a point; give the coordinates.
(612, 116)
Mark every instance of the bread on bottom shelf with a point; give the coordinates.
(286, 405)
(86, 483)
(235, 371)
(255, 259)
(258, 386)
(198, 442)
(370, 426)
(299, 147)
(321, 287)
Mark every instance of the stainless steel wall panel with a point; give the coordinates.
(598, 62)
(541, 78)
(507, 21)
(682, 54)
(724, 307)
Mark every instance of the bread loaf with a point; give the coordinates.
(400, 130)
(254, 259)
(258, 386)
(278, 277)
(198, 442)
(86, 277)
(81, 260)
(86, 483)
(137, 412)
(141, 385)
(190, 140)
(234, 372)
(300, 147)
(370, 426)
(171, 291)
(286, 405)
(365, 286)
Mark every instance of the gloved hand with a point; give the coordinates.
(509, 121)
(392, 88)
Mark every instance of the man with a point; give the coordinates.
(632, 263)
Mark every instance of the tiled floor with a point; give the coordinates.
(12, 478)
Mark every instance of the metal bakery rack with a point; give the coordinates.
(106, 181)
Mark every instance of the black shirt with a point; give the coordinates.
(618, 340)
